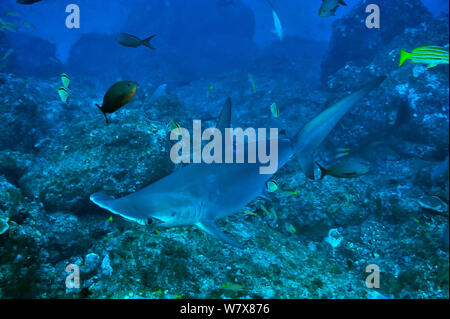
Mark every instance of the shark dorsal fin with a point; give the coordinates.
(224, 120)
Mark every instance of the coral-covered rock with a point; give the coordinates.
(90, 156)
(352, 42)
(412, 105)
(32, 55)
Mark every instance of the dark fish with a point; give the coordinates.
(345, 169)
(117, 96)
(129, 40)
(27, 1)
(329, 7)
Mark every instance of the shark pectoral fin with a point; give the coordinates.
(307, 165)
(211, 228)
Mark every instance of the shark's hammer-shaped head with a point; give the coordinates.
(163, 209)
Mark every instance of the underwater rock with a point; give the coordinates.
(17, 114)
(91, 262)
(13, 205)
(106, 266)
(89, 156)
(4, 226)
(352, 42)
(23, 242)
(32, 55)
(29, 108)
(420, 99)
(14, 164)
(98, 64)
(445, 238)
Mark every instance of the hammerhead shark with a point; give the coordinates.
(200, 193)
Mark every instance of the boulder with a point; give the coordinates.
(352, 42)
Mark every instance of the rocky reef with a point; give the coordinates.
(29, 55)
(311, 239)
(413, 110)
(353, 42)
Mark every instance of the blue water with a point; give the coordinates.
(308, 238)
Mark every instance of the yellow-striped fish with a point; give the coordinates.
(63, 94)
(65, 80)
(430, 55)
(275, 110)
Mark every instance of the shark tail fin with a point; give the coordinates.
(404, 55)
(211, 228)
(316, 130)
(146, 42)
